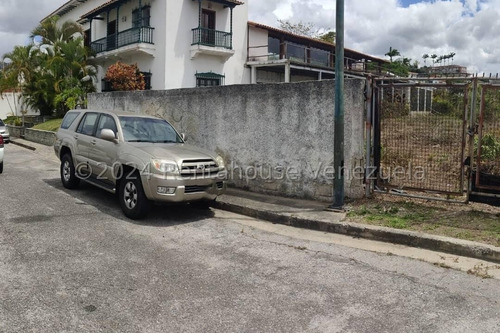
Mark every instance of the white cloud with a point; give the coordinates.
(19, 17)
(468, 27)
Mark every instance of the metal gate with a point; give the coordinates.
(420, 134)
(487, 143)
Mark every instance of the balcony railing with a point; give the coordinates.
(123, 38)
(210, 37)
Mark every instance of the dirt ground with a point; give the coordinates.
(474, 221)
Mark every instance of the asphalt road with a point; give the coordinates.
(71, 262)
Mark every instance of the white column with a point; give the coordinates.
(287, 72)
(253, 74)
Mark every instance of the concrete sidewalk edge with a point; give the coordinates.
(409, 238)
(16, 142)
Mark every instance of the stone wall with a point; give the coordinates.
(44, 137)
(275, 138)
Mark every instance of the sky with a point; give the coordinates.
(469, 28)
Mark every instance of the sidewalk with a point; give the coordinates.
(312, 215)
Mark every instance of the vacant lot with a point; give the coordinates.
(474, 221)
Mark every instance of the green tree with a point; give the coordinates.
(425, 57)
(307, 30)
(433, 57)
(328, 37)
(392, 53)
(52, 33)
(54, 74)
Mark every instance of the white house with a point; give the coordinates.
(176, 44)
(191, 43)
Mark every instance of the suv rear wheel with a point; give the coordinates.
(133, 201)
(68, 174)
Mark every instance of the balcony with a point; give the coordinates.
(123, 39)
(211, 42)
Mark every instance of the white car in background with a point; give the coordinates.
(1, 154)
(4, 132)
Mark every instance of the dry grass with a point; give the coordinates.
(474, 221)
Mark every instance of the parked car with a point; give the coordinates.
(1, 154)
(141, 158)
(4, 131)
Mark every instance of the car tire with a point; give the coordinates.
(68, 173)
(133, 202)
(1, 167)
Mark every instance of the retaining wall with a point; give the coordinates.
(275, 138)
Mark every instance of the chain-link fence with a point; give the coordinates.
(487, 142)
(422, 134)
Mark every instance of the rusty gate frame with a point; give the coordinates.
(484, 89)
(468, 110)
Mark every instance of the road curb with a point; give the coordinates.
(22, 145)
(384, 234)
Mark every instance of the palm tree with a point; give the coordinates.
(425, 56)
(434, 56)
(52, 33)
(392, 53)
(452, 55)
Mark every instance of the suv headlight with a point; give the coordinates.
(165, 166)
(220, 162)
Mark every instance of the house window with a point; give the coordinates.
(209, 79)
(147, 80)
(145, 20)
(273, 48)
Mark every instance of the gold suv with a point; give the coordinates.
(141, 158)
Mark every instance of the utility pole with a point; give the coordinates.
(338, 144)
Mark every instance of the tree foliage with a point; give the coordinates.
(392, 53)
(308, 30)
(125, 77)
(53, 74)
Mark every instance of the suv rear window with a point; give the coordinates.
(69, 118)
(1, 123)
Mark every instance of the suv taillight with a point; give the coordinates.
(1, 141)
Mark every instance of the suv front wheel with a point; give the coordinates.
(68, 174)
(133, 201)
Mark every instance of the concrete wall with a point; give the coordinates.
(282, 132)
(44, 137)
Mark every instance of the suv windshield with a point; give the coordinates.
(140, 129)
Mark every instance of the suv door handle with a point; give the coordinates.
(76, 137)
(93, 142)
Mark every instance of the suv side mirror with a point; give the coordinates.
(108, 135)
(183, 137)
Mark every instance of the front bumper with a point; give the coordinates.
(186, 189)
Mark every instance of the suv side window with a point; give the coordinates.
(106, 121)
(87, 124)
(69, 118)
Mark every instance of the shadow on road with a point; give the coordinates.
(159, 216)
